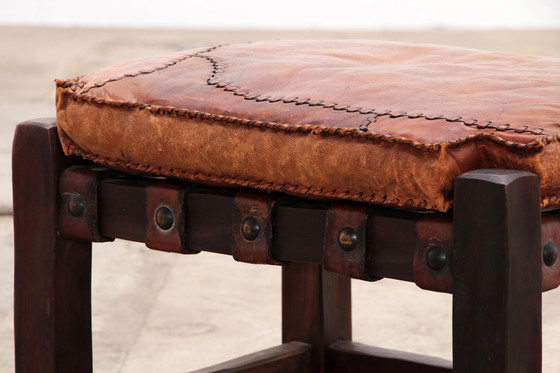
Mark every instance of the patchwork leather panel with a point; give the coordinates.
(371, 121)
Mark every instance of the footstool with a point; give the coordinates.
(333, 159)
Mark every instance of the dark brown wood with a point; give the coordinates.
(299, 226)
(495, 247)
(316, 309)
(350, 262)
(52, 312)
(292, 357)
(122, 209)
(497, 273)
(169, 195)
(299, 230)
(209, 220)
(396, 242)
(351, 357)
(257, 207)
(81, 181)
(392, 241)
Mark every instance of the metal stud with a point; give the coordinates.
(164, 218)
(76, 205)
(347, 238)
(550, 253)
(250, 228)
(436, 258)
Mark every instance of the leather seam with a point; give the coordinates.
(546, 201)
(80, 83)
(219, 70)
(535, 145)
(298, 189)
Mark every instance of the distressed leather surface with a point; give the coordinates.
(371, 121)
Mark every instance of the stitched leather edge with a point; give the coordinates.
(219, 71)
(535, 145)
(547, 200)
(296, 189)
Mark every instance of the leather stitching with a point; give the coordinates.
(70, 87)
(362, 132)
(81, 83)
(535, 145)
(364, 127)
(298, 189)
(219, 69)
(547, 201)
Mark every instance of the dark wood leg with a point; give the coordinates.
(316, 309)
(497, 275)
(52, 275)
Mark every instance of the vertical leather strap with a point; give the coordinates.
(78, 218)
(344, 249)
(166, 218)
(431, 268)
(252, 228)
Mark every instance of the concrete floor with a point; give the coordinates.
(154, 311)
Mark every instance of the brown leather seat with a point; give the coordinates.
(379, 122)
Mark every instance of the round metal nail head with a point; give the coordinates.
(164, 218)
(250, 228)
(550, 253)
(347, 238)
(436, 258)
(76, 205)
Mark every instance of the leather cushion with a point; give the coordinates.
(379, 122)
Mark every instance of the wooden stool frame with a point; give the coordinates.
(488, 253)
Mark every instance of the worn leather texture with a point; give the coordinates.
(379, 122)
